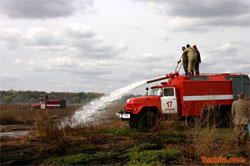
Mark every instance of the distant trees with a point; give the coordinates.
(12, 96)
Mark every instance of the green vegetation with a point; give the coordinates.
(153, 157)
(176, 133)
(175, 136)
(12, 96)
(143, 154)
(224, 133)
(81, 158)
(144, 146)
(150, 154)
(82, 149)
(123, 132)
(218, 133)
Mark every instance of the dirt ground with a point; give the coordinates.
(21, 151)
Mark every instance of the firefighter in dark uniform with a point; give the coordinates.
(241, 113)
(198, 60)
(185, 61)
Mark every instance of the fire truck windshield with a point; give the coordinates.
(155, 92)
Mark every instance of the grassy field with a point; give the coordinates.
(110, 141)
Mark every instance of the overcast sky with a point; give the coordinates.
(103, 45)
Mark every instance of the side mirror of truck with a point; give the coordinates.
(146, 94)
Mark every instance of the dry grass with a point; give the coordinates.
(15, 114)
(208, 140)
(21, 114)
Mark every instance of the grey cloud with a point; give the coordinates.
(202, 15)
(74, 40)
(9, 80)
(205, 8)
(244, 68)
(243, 20)
(34, 37)
(78, 33)
(67, 65)
(39, 8)
(95, 49)
(76, 70)
(148, 57)
(42, 38)
(217, 68)
(151, 73)
(92, 72)
(209, 8)
(152, 68)
(226, 58)
(153, 61)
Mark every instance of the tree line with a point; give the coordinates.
(31, 97)
(12, 96)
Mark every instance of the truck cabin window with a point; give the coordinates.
(169, 92)
(155, 92)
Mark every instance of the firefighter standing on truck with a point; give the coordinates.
(240, 112)
(192, 56)
(185, 61)
(198, 60)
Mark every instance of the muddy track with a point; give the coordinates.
(21, 151)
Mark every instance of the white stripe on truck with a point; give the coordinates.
(54, 105)
(208, 97)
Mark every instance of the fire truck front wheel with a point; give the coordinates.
(145, 120)
(132, 121)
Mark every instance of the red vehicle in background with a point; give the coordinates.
(45, 103)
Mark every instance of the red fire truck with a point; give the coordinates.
(186, 96)
(45, 103)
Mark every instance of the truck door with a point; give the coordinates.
(168, 101)
(43, 106)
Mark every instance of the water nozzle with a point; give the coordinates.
(170, 75)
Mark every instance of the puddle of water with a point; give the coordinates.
(14, 133)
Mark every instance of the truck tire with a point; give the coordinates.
(146, 120)
(224, 119)
(208, 118)
(132, 121)
(218, 116)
